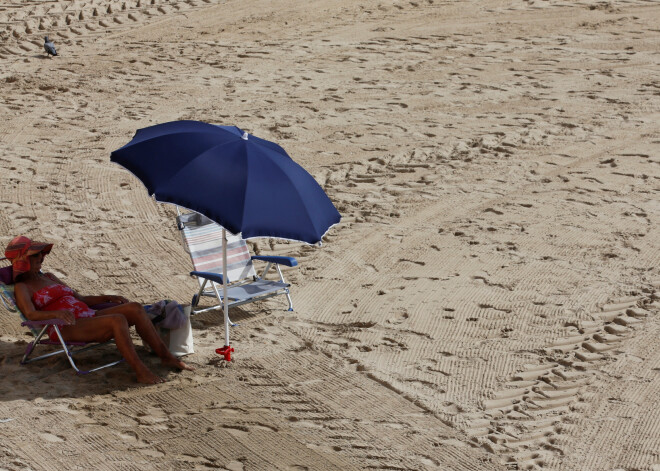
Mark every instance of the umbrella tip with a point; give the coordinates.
(244, 136)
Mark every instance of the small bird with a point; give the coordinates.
(49, 47)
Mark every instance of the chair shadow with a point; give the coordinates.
(216, 317)
(54, 377)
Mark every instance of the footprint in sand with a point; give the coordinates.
(153, 417)
(398, 318)
(52, 438)
(235, 466)
(242, 430)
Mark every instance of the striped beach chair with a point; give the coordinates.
(39, 329)
(202, 239)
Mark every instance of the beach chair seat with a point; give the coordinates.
(203, 241)
(39, 329)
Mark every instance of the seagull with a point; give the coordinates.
(49, 47)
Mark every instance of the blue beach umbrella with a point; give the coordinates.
(246, 184)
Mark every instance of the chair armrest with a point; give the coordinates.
(44, 322)
(288, 261)
(208, 275)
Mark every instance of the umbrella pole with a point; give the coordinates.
(226, 350)
(225, 280)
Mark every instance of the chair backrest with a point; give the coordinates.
(203, 239)
(7, 295)
(7, 289)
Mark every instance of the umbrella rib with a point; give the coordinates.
(247, 158)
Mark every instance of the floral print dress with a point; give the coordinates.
(60, 297)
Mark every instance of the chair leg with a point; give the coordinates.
(196, 298)
(222, 302)
(288, 297)
(32, 345)
(66, 350)
(69, 353)
(232, 324)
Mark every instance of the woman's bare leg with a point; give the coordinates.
(104, 328)
(136, 315)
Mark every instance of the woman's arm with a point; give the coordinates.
(24, 302)
(91, 300)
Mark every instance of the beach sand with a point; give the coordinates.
(489, 300)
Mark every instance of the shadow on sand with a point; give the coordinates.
(53, 377)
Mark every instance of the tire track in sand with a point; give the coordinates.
(527, 422)
(22, 27)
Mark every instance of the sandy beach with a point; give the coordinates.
(489, 301)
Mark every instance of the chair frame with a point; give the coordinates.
(39, 329)
(214, 281)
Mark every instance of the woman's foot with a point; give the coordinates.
(174, 362)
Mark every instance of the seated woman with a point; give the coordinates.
(43, 296)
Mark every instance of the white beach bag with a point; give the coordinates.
(179, 341)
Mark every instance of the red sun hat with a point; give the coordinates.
(18, 251)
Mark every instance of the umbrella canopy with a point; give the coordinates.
(246, 184)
